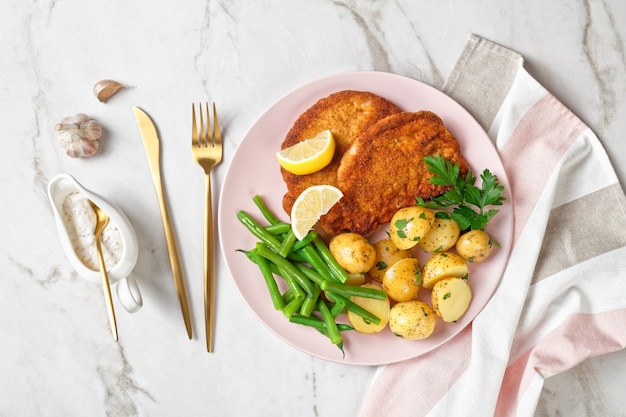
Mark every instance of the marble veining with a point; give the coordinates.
(56, 354)
(368, 27)
(115, 374)
(600, 31)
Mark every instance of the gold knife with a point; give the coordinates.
(151, 143)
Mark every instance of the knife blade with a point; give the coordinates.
(152, 145)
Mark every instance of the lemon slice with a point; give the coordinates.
(310, 205)
(308, 156)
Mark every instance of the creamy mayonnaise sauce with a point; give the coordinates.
(80, 222)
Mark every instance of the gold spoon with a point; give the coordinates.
(102, 219)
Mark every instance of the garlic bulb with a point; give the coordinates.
(79, 135)
(105, 89)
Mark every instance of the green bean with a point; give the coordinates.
(329, 321)
(264, 266)
(288, 296)
(292, 283)
(344, 327)
(309, 303)
(311, 274)
(287, 243)
(287, 267)
(318, 324)
(307, 239)
(278, 228)
(338, 272)
(337, 308)
(247, 253)
(267, 213)
(275, 269)
(258, 231)
(272, 265)
(314, 259)
(353, 290)
(295, 290)
(295, 257)
(355, 308)
(293, 306)
(294, 287)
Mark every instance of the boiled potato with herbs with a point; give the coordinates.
(443, 265)
(475, 245)
(386, 255)
(412, 320)
(379, 308)
(403, 279)
(409, 224)
(353, 252)
(451, 297)
(443, 235)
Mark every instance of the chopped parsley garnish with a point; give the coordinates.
(418, 276)
(401, 225)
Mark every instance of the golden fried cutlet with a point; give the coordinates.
(384, 170)
(346, 114)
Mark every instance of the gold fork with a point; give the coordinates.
(207, 152)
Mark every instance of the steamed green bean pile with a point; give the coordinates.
(316, 291)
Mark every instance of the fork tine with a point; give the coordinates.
(208, 139)
(217, 133)
(203, 133)
(194, 127)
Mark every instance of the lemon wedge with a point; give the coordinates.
(310, 205)
(308, 156)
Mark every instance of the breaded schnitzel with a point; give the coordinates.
(384, 170)
(346, 114)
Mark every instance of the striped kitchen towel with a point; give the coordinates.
(562, 297)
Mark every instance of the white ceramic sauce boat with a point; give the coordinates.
(127, 290)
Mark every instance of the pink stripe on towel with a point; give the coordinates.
(579, 337)
(437, 370)
(539, 141)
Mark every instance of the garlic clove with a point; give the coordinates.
(105, 89)
(79, 135)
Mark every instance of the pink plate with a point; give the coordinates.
(254, 170)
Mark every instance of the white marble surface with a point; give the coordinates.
(57, 357)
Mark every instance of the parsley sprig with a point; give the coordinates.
(470, 203)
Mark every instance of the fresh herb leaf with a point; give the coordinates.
(469, 202)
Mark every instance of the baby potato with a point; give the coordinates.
(353, 252)
(451, 298)
(443, 265)
(475, 245)
(442, 236)
(412, 320)
(409, 224)
(355, 279)
(379, 308)
(386, 255)
(403, 279)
